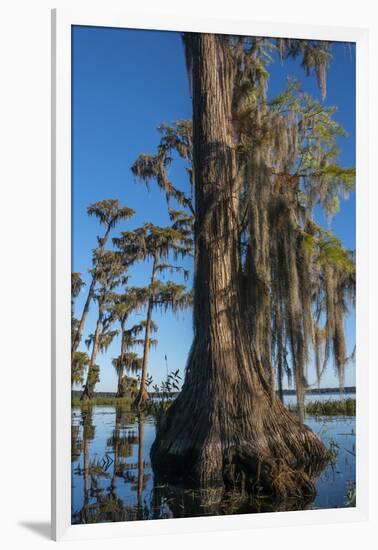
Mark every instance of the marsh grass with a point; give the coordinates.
(104, 401)
(343, 407)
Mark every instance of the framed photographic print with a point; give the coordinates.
(210, 281)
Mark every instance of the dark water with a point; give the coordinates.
(112, 479)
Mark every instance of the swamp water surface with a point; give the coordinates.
(112, 478)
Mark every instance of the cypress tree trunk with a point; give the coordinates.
(120, 388)
(79, 333)
(90, 382)
(226, 426)
(142, 396)
(120, 392)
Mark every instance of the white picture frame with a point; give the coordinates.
(62, 20)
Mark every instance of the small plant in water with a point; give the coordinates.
(166, 393)
(170, 386)
(333, 452)
(351, 494)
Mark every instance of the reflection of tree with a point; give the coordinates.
(92, 471)
(180, 501)
(116, 487)
(138, 483)
(101, 504)
(141, 477)
(122, 445)
(88, 435)
(75, 443)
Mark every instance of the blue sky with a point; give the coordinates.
(125, 84)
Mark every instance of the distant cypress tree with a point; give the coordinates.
(158, 244)
(109, 213)
(107, 273)
(120, 309)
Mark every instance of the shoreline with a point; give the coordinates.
(342, 407)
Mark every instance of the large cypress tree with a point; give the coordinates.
(227, 425)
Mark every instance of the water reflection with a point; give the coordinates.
(112, 479)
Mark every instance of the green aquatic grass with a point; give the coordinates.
(342, 407)
(104, 401)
